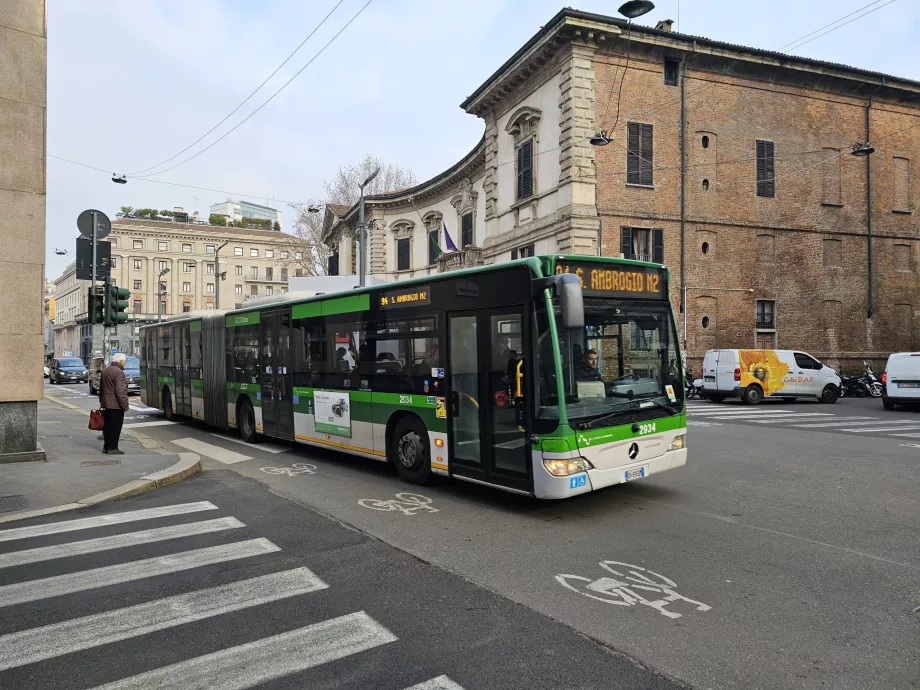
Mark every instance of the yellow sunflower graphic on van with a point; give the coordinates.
(764, 368)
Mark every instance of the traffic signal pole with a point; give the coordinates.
(92, 328)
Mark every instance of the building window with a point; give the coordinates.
(209, 287)
(187, 266)
(238, 289)
(639, 154)
(186, 307)
(671, 71)
(186, 287)
(253, 252)
(298, 273)
(269, 273)
(269, 253)
(284, 274)
(254, 272)
(766, 171)
(163, 307)
(137, 306)
(138, 244)
(210, 249)
(162, 288)
(522, 252)
(254, 290)
(765, 340)
(162, 246)
(525, 170)
(163, 265)
(642, 244)
(404, 254)
(766, 314)
(269, 290)
(434, 246)
(466, 229)
(137, 285)
(114, 262)
(298, 256)
(209, 306)
(113, 241)
(209, 269)
(237, 251)
(901, 185)
(187, 248)
(138, 264)
(285, 254)
(239, 270)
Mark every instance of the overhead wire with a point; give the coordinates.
(245, 100)
(844, 24)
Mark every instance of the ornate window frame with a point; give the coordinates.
(464, 202)
(524, 126)
(402, 229)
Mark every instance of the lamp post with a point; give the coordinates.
(161, 291)
(362, 237)
(217, 275)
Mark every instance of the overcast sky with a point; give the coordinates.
(132, 83)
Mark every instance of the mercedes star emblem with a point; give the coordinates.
(634, 451)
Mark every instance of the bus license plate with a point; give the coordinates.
(909, 385)
(637, 473)
(711, 379)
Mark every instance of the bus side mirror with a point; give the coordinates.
(568, 287)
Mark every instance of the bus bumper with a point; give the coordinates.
(618, 475)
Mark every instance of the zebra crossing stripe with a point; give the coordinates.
(774, 417)
(118, 541)
(104, 520)
(748, 411)
(883, 428)
(256, 663)
(159, 422)
(439, 683)
(841, 421)
(38, 644)
(228, 457)
(58, 585)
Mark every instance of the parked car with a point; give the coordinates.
(132, 374)
(67, 370)
(901, 379)
(47, 370)
(755, 374)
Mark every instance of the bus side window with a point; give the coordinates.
(310, 352)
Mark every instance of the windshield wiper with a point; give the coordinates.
(591, 424)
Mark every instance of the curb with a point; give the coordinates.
(189, 464)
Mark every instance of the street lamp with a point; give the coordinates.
(362, 238)
(161, 292)
(61, 252)
(861, 149)
(119, 179)
(218, 274)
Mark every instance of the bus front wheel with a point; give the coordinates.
(410, 452)
(246, 421)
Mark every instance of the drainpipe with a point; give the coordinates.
(683, 185)
(600, 232)
(869, 210)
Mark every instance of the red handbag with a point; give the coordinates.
(96, 420)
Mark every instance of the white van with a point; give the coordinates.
(901, 380)
(754, 374)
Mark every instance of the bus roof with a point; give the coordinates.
(541, 265)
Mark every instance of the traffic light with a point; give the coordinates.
(95, 305)
(116, 302)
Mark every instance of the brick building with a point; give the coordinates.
(731, 165)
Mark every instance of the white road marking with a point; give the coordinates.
(118, 541)
(439, 683)
(141, 407)
(104, 520)
(840, 422)
(704, 424)
(882, 428)
(58, 585)
(255, 663)
(38, 644)
(228, 457)
(161, 422)
(906, 436)
(748, 411)
(775, 417)
(791, 417)
(267, 447)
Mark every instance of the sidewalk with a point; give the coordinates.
(77, 472)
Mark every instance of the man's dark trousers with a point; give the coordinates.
(112, 429)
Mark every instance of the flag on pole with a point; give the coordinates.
(451, 247)
(433, 238)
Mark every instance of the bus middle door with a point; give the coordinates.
(277, 389)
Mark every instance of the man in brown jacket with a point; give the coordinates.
(113, 398)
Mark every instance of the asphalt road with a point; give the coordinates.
(781, 556)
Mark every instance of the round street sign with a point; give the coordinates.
(85, 224)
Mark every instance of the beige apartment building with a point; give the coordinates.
(175, 268)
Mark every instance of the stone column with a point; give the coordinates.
(23, 77)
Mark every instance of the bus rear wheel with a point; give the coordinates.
(410, 452)
(246, 421)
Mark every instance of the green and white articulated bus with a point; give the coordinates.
(550, 376)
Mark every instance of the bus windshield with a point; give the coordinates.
(624, 360)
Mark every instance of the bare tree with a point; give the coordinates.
(307, 230)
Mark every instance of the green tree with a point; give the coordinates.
(277, 226)
(168, 214)
(215, 219)
(126, 209)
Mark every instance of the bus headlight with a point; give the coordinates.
(678, 442)
(563, 468)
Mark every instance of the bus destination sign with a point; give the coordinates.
(415, 296)
(617, 281)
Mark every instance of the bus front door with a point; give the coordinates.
(277, 377)
(487, 441)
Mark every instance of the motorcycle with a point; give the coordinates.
(871, 381)
(693, 387)
(854, 387)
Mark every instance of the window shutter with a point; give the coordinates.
(525, 170)
(658, 246)
(514, 254)
(769, 167)
(402, 254)
(646, 152)
(626, 248)
(466, 230)
(632, 154)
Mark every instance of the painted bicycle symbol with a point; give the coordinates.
(630, 587)
(293, 470)
(405, 503)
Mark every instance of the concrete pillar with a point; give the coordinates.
(23, 77)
